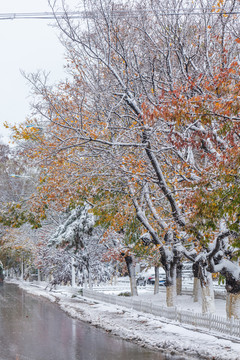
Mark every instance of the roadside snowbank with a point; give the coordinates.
(144, 329)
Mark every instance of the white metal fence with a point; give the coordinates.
(208, 321)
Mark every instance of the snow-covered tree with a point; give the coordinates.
(54, 264)
(147, 107)
(79, 234)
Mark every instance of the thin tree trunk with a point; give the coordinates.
(39, 275)
(73, 273)
(90, 280)
(156, 284)
(85, 279)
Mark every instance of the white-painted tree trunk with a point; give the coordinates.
(39, 275)
(196, 288)
(73, 274)
(22, 269)
(85, 278)
(171, 295)
(90, 280)
(171, 291)
(233, 305)
(208, 304)
(179, 279)
(133, 282)
(179, 285)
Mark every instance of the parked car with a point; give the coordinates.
(151, 279)
(148, 277)
(162, 280)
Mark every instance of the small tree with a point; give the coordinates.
(79, 234)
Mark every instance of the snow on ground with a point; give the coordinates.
(144, 329)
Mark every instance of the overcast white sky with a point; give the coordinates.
(29, 45)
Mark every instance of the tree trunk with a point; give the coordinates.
(22, 269)
(171, 291)
(208, 305)
(85, 278)
(156, 284)
(179, 279)
(196, 287)
(111, 280)
(171, 295)
(196, 282)
(132, 275)
(39, 275)
(170, 257)
(233, 296)
(90, 280)
(233, 305)
(133, 282)
(73, 272)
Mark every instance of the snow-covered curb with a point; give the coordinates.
(143, 329)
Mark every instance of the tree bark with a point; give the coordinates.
(196, 282)
(156, 285)
(208, 304)
(90, 280)
(132, 275)
(233, 305)
(179, 279)
(171, 291)
(171, 295)
(233, 295)
(196, 288)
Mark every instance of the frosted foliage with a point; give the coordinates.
(78, 223)
(89, 259)
(55, 264)
(79, 236)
